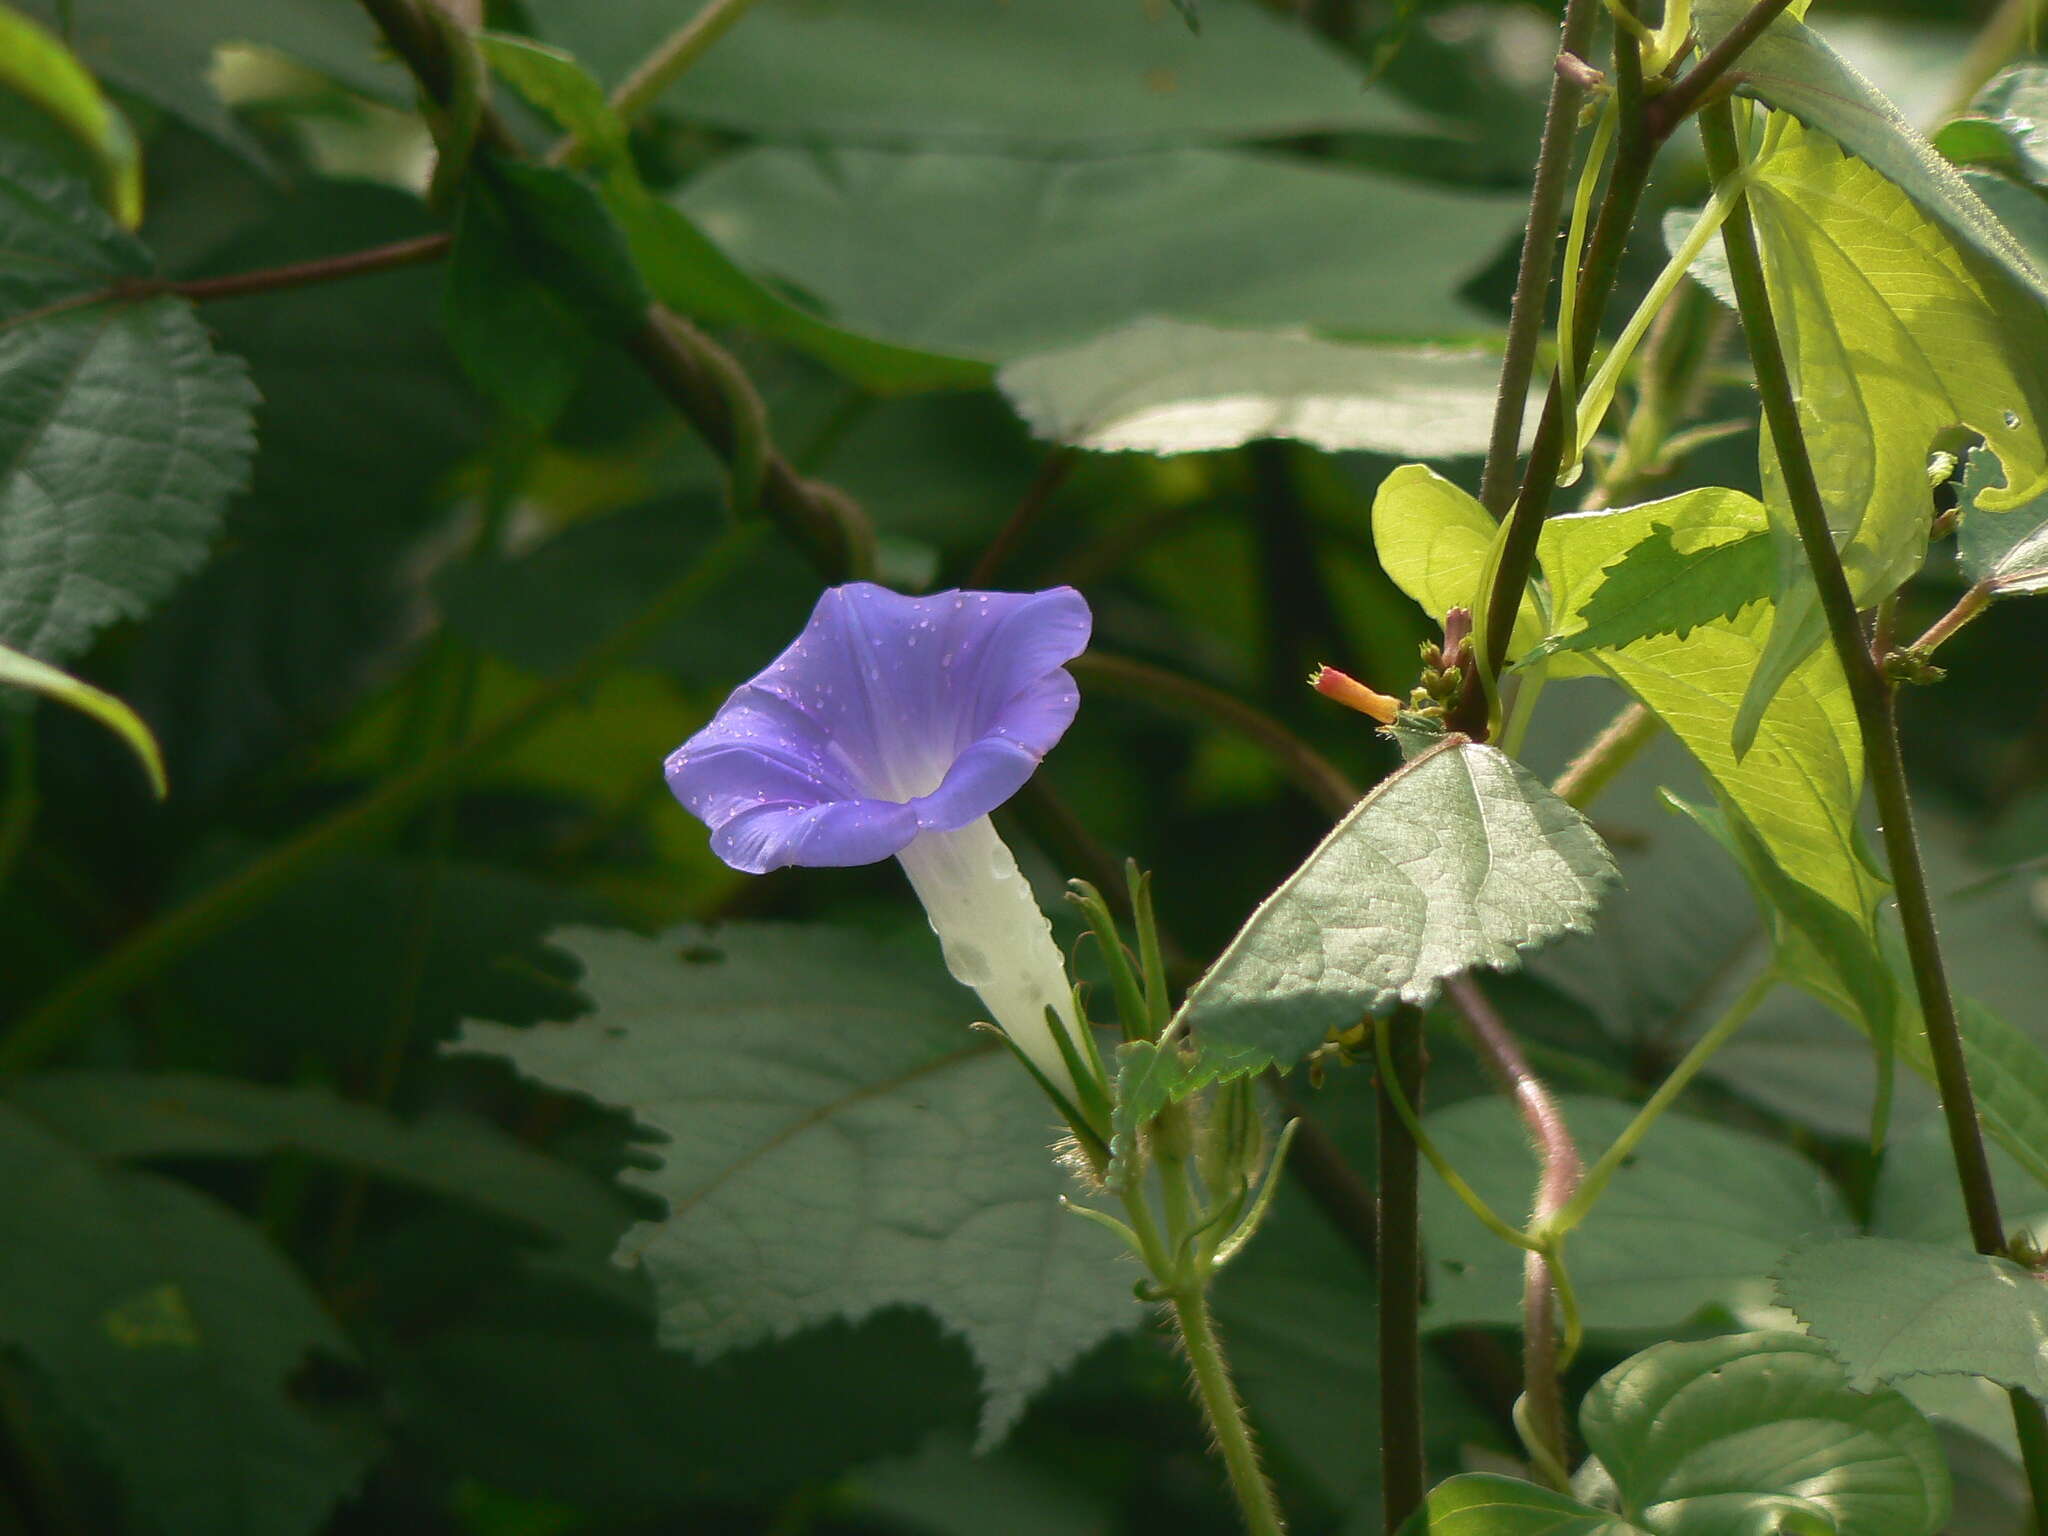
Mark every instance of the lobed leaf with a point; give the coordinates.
(832, 1141)
(1458, 860)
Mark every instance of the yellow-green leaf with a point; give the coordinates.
(35, 65)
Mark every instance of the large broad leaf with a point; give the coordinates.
(1895, 332)
(1800, 784)
(992, 258)
(1166, 386)
(1887, 1308)
(165, 54)
(1696, 1218)
(1434, 539)
(1458, 860)
(834, 1142)
(984, 75)
(1791, 68)
(1916, 1196)
(1740, 1436)
(123, 433)
(173, 1332)
(1759, 1432)
(124, 1116)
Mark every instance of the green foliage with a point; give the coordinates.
(40, 68)
(1752, 1432)
(1790, 68)
(19, 671)
(125, 431)
(1656, 588)
(1058, 74)
(951, 1203)
(1895, 332)
(1696, 1219)
(174, 1332)
(1165, 387)
(1887, 1309)
(2004, 549)
(1458, 860)
(1435, 541)
(2003, 126)
(984, 257)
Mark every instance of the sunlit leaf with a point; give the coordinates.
(1164, 386)
(1433, 538)
(1459, 860)
(1656, 588)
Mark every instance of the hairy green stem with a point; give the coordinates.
(1538, 258)
(150, 948)
(1224, 1410)
(1606, 755)
(1403, 1469)
(675, 54)
(1876, 716)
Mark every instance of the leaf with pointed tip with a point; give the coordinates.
(2003, 548)
(1459, 859)
(1887, 1308)
(1171, 386)
(834, 1141)
(1656, 588)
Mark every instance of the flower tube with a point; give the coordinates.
(894, 725)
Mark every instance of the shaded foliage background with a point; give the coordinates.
(398, 1258)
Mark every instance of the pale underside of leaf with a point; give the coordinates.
(1461, 859)
(834, 1142)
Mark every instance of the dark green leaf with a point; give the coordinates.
(1165, 386)
(1887, 1308)
(837, 1142)
(1460, 859)
(1658, 589)
(124, 432)
(1054, 73)
(984, 257)
(520, 341)
(129, 1117)
(1760, 1432)
(1696, 1218)
(173, 1332)
(554, 224)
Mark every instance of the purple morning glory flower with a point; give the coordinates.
(889, 716)
(893, 726)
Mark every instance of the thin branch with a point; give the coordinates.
(1690, 92)
(1053, 469)
(1538, 258)
(1312, 773)
(675, 54)
(302, 274)
(1968, 606)
(1585, 776)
